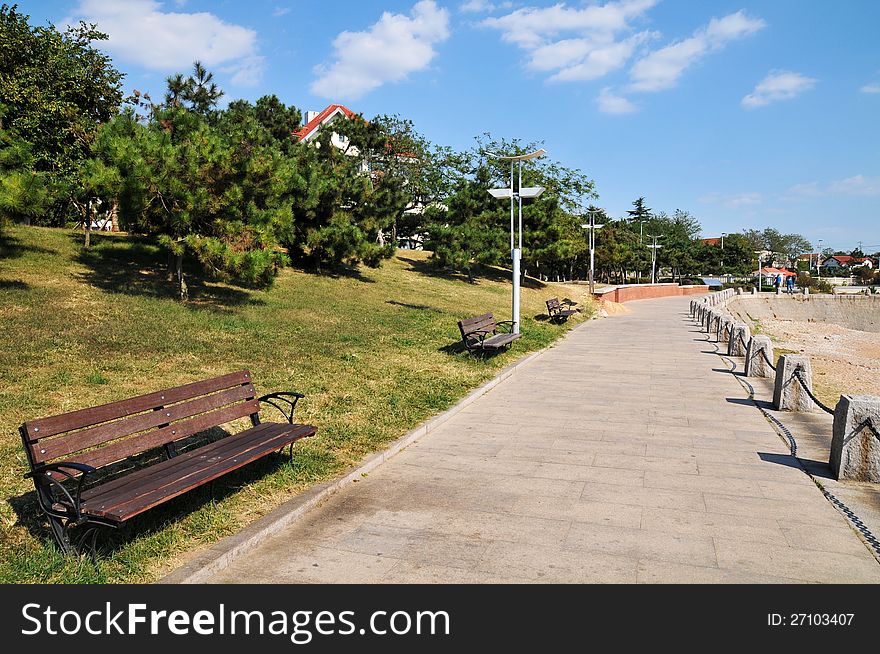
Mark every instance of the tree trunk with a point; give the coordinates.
(88, 224)
(181, 283)
(113, 215)
(170, 267)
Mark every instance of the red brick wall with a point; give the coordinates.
(647, 291)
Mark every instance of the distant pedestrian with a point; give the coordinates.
(777, 283)
(789, 284)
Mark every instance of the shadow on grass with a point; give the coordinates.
(13, 248)
(487, 273)
(135, 266)
(111, 541)
(416, 307)
(13, 285)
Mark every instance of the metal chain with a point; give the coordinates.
(797, 374)
(848, 513)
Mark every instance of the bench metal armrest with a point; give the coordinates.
(41, 475)
(283, 396)
(505, 322)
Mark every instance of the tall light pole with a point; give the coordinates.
(760, 280)
(819, 262)
(723, 234)
(516, 195)
(592, 226)
(654, 247)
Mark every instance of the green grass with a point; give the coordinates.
(375, 352)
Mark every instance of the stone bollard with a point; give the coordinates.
(710, 316)
(788, 393)
(721, 331)
(806, 290)
(739, 291)
(754, 291)
(726, 327)
(756, 364)
(739, 339)
(778, 290)
(855, 446)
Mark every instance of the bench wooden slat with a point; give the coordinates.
(499, 341)
(69, 443)
(143, 442)
(196, 468)
(45, 427)
(160, 473)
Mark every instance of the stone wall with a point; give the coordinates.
(860, 312)
(630, 292)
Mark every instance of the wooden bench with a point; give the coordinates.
(554, 308)
(480, 334)
(90, 467)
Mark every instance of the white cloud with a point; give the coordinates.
(281, 11)
(392, 48)
(778, 85)
(871, 88)
(482, 6)
(734, 201)
(574, 44)
(808, 190)
(662, 68)
(856, 185)
(610, 103)
(142, 34)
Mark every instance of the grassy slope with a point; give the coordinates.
(375, 352)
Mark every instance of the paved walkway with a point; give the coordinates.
(624, 454)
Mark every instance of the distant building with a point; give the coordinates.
(845, 261)
(318, 120)
(711, 241)
(770, 273)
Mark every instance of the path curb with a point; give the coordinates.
(221, 553)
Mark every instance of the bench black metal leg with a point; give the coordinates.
(77, 544)
(61, 532)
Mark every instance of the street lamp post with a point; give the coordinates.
(760, 280)
(592, 226)
(654, 247)
(819, 262)
(516, 195)
(723, 234)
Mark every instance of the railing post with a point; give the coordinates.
(722, 329)
(739, 338)
(756, 364)
(855, 445)
(710, 316)
(788, 392)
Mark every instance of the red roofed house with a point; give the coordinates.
(315, 120)
(770, 274)
(839, 261)
(711, 241)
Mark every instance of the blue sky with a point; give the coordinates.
(746, 113)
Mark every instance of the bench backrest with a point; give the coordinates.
(484, 323)
(105, 434)
(553, 305)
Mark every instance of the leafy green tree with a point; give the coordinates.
(56, 89)
(223, 196)
(25, 193)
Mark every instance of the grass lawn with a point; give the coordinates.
(375, 352)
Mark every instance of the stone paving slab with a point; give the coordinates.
(627, 453)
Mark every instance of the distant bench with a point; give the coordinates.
(556, 310)
(73, 456)
(480, 334)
